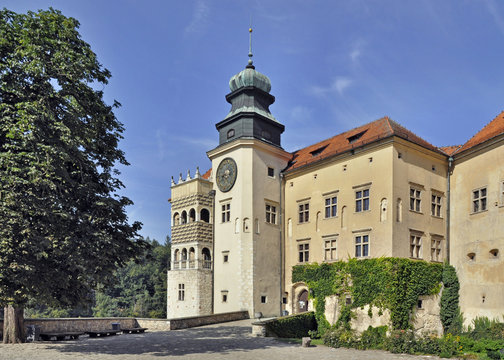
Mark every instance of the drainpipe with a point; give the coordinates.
(450, 168)
(281, 247)
(212, 194)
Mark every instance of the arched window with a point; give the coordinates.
(343, 217)
(192, 254)
(183, 220)
(399, 210)
(176, 255)
(383, 210)
(176, 219)
(246, 225)
(192, 215)
(205, 215)
(207, 259)
(184, 254)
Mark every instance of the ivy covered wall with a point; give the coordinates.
(387, 283)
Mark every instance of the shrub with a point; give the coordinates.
(427, 344)
(451, 318)
(340, 338)
(294, 326)
(400, 342)
(449, 345)
(373, 338)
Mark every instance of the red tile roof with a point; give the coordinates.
(450, 150)
(360, 136)
(491, 130)
(206, 175)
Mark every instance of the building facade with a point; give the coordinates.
(376, 190)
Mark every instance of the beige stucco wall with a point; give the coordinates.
(254, 257)
(481, 279)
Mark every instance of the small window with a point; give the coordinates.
(415, 246)
(494, 253)
(471, 256)
(230, 133)
(226, 212)
(348, 300)
(331, 206)
(370, 159)
(263, 299)
(181, 292)
(318, 151)
(362, 200)
(224, 295)
(266, 135)
(436, 205)
(304, 252)
(271, 172)
(399, 155)
(415, 200)
(420, 304)
(433, 167)
(284, 300)
(361, 246)
(304, 213)
(271, 214)
(479, 201)
(226, 258)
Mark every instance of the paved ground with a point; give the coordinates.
(231, 341)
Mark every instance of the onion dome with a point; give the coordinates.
(250, 77)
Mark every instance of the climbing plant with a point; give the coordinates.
(388, 283)
(451, 318)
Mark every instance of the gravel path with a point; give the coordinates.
(231, 341)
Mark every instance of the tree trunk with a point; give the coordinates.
(13, 330)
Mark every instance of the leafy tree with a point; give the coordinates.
(63, 228)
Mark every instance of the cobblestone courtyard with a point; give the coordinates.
(231, 341)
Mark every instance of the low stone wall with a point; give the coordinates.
(94, 324)
(188, 322)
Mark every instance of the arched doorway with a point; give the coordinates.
(302, 302)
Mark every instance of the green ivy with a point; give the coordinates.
(294, 326)
(388, 283)
(451, 317)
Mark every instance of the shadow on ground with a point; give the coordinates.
(218, 339)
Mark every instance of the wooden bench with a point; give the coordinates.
(133, 330)
(60, 336)
(101, 333)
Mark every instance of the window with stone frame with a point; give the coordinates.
(330, 249)
(416, 245)
(271, 214)
(361, 246)
(436, 205)
(362, 200)
(304, 212)
(331, 206)
(181, 292)
(226, 212)
(479, 200)
(415, 199)
(304, 252)
(436, 248)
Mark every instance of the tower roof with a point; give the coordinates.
(250, 77)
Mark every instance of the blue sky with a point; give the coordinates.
(436, 67)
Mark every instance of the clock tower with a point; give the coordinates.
(246, 168)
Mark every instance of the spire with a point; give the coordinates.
(249, 65)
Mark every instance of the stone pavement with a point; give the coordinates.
(231, 341)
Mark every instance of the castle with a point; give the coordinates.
(376, 190)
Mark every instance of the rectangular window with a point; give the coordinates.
(362, 200)
(304, 213)
(415, 200)
(271, 214)
(479, 200)
(263, 299)
(330, 249)
(415, 246)
(362, 246)
(225, 257)
(436, 205)
(304, 252)
(226, 212)
(331, 206)
(436, 248)
(181, 292)
(271, 172)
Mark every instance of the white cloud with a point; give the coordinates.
(199, 17)
(356, 50)
(339, 85)
(300, 114)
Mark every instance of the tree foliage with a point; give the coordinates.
(63, 228)
(451, 318)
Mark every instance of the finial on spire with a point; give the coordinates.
(250, 62)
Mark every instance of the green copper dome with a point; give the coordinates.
(250, 77)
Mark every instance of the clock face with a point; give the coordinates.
(226, 174)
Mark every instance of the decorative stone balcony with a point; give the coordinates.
(196, 231)
(192, 264)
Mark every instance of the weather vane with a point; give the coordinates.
(250, 44)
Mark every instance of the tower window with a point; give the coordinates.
(181, 292)
(230, 133)
(226, 212)
(224, 295)
(271, 172)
